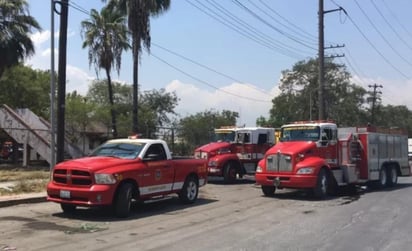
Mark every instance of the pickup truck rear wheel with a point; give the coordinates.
(268, 191)
(123, 201)
(68, 208)
(190, 190)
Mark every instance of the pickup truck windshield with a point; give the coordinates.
(300, 133)
(119, 150)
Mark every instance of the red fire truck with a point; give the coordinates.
(320, 156)
(236, 151)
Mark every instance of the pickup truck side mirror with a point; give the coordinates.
(152, 156)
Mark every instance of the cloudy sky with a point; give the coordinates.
(228, 55)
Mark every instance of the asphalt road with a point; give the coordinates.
(226, 217)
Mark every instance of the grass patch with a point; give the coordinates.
(21, 174)
(32, 186)
(25, 179)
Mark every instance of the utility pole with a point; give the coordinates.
(374, 98)
(321, 62)
(61, 90)
(321, 55)
(52, 91)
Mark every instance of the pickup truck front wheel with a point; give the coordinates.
(268, 191)
(68, 208)
(190, 190)
(123, 201)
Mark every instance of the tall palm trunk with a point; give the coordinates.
(112, 111)
(135, 85)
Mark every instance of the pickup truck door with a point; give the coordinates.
(157, 176)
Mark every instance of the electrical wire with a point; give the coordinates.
(251, 28)
(397, 20)
(382, 36)
(374, 47)
(292, 27)
(206, 83)
(272, 26)
(77, 7)
(246, 33)
(390, 26)
(205, 67)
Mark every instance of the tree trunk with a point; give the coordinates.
(135, 86)
(112, 111)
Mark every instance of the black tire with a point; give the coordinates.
(268, 191)
(190, 190)
(392, 176)
(229, 173)
(123, 201)
(68, 208)
(321, 189)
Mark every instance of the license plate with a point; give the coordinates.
(64, 194)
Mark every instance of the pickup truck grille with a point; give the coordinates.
(279, 163)
(72, 177)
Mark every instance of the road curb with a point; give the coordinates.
(7, 202)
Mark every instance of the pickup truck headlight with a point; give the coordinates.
(306, 170)
(104, 178)
(259, 169)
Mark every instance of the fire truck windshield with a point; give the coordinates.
(227, 136)
(300, 133)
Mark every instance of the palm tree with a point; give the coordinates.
(138, 14)
(15, 26)
(106, 36)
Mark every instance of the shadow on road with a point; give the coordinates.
(247, 179)
(170, 206)
(345, 194)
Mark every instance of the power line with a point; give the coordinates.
(311, 39)
(77, 7)
(397, 20)
(244, 32)
(390, 26)
(374, 47)
(204, 66)
(206, 83)
(272, 26)
(381, 35)
(302, 31)
(249, 27)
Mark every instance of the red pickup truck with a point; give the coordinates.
(121, 171)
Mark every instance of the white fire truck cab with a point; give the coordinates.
(236, 151)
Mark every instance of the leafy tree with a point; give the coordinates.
(138, 13)
(105, 35)
(23, 87)
(198, 129)
(15, 27)
(345, 102)
(156, 106)
(79, 114)
(395, 117)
